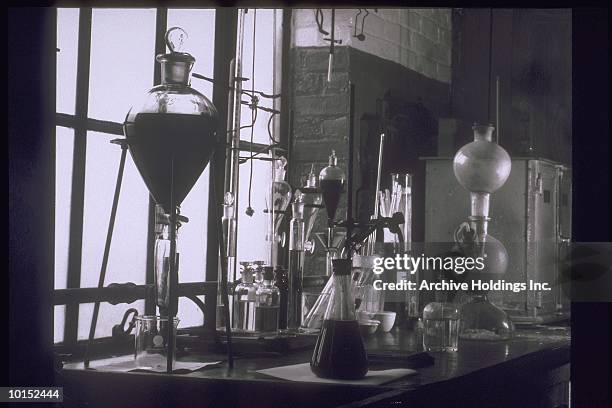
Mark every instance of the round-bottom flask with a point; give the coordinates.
(482, 320)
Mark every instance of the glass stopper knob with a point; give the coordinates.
(228, 199)
(176, 38)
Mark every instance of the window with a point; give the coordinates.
(105, 63)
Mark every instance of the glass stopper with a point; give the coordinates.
(228, 198)
(176, 38)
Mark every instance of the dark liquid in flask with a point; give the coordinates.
(331, 190)
(339, 352)
(154, 138)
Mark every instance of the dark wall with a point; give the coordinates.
(531, 52)
(414, 103)
(31, 139)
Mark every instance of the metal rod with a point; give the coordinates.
(331, 45)
(349, 197)
(223, 281)
(272, 212)
(109, 237)
(372, 241)
(233, 165)
(497, 109)
(161, 26)
(172, 273)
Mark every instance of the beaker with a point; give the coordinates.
(441, 327)
(151, 342)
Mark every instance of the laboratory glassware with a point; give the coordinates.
(267, 307)
(151, 342)
(441, 327)
(339, 351)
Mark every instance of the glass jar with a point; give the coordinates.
(243, 320)
(267, 307)
(440, 327)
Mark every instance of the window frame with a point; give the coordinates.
(73, 296)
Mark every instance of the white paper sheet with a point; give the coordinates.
(302, 372)
(125, 365)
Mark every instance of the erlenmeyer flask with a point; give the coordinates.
(339, 351)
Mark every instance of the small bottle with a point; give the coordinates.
(267, 307)
(258, 269)
(244, 304)
(339, 352)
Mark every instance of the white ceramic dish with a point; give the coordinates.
(387, 320)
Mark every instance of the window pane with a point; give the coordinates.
(252, 245)
(263, 80)
(64, 147)
(59, 313)
(189, 313)
(67, 42)
(108, 316)
(192, 236)
(127, 258)
(122, 60)
(200, 27)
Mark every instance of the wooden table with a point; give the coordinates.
(531, 370)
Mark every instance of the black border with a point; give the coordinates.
(31, 95)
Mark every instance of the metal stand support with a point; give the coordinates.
(224, 271)
(173, 275)
(109, 237)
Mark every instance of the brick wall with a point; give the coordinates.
(418, 39)
(320, 124)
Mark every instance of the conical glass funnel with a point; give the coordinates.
(172, 134)
(333, 251)
(331, 181)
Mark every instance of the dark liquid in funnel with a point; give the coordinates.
(339, 352)
(330, 191)
(155, 138)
